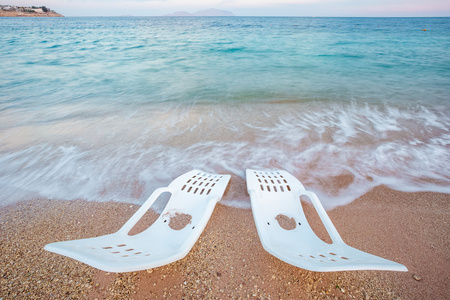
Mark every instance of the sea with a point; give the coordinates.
(111, 108)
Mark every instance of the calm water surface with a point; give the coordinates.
(112, 108)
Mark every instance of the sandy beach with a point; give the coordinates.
(228, 260)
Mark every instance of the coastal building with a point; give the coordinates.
(22, 11)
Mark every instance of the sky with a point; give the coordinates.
(329, 8)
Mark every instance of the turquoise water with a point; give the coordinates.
(111, 108)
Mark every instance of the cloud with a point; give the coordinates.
(256, 3)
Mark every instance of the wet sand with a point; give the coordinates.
(228, 260)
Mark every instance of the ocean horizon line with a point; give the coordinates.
(265, 16)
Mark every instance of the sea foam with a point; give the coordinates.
(339, 152)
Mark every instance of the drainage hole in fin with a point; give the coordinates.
(179, 220)
(285, 222)
(153, 214)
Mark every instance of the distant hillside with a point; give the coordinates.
(212, 12)
(22, 11)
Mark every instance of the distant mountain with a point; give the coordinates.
(212, 12)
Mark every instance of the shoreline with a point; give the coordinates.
(228, 260)
(12, 14)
